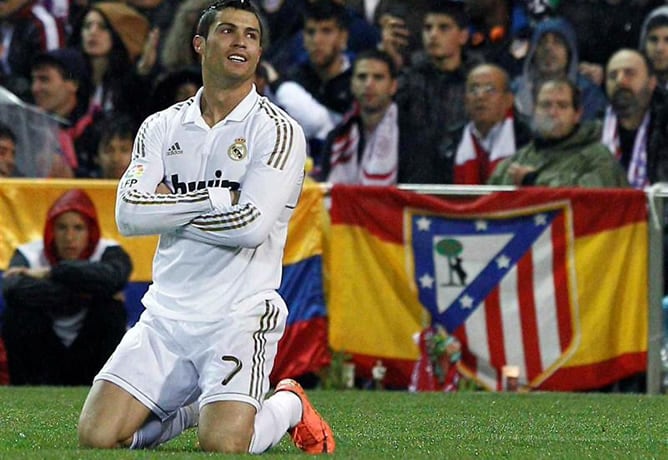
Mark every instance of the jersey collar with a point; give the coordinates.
(240, 112)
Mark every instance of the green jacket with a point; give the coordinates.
(580, 160)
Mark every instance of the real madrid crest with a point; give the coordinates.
(238, 150)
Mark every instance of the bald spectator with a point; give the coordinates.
(494, 132)
(635, 127)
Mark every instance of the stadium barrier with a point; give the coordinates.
(363, 254)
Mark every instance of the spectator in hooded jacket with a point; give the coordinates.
(553, 54)
(654, 43)
(64, 302)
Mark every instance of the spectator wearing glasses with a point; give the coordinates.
(495, 130)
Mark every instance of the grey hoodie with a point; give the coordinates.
(655, 13)
(593, 97)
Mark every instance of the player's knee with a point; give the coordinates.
(216, 442)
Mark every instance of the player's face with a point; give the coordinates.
(324, 41)
(71, 235)
(442, 37)
(114, 157)
(52, 92)
(372, 85)
(488, 98)
(554, 115)
(95, 35)
(232, 47)
(656, 48)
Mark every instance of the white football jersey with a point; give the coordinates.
(213, 255)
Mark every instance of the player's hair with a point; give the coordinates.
(208, 15)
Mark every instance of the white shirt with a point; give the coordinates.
(213, 255)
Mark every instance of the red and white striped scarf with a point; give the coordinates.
(380, 158)
(476, 158)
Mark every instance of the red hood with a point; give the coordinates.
(72, 200)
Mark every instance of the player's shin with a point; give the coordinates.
(279, 413)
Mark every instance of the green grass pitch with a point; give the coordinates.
(40, 423)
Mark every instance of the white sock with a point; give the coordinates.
(279, 413)
(154, 432)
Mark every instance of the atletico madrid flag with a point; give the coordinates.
(489, 278)
(553, 281)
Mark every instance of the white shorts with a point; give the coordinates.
(167, 364)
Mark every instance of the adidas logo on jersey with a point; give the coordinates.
(185, 187)
(175, 149)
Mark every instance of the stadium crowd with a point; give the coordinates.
(388, 91)
(384, 89)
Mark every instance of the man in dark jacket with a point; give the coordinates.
(64, 303)
(430, 98)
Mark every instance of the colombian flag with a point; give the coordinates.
(24, 204)
(304, 347)
(553, 281)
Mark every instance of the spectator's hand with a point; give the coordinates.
(149, 55)
(394, 39)
(518, 172)
(592, 71)
(38, 273)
